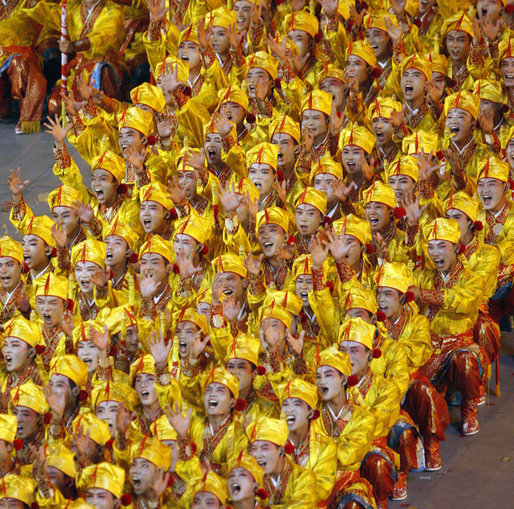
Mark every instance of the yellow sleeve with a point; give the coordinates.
(325, 467)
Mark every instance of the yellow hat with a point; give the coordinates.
(156, 192)
(506, 49)
(358, 136)
(190, 315)
(40, 226)
(233, 94)
(285, 125)
(245, 347)
(113, 391)
(264, 61)
(196, 226)
(301, 20)
(144, 365)
(463, 100)
(21, 328)
(163, 430)
(325, 165)
(465, 203)
(299, 389)
(363, 50)
(229, 262)
(111, 162)
(90, 250)
(302, 266)
(394, 275)
(8, 425)
(404, 165)
(439, 63)
(71, 367)
(10, 248)
(243, 185)
(118, 318)
(154, 451)
(63, 196)
(361, 298)
(419, 62)
(249, 463)
(188, 34)
(149, 95)
(29, 395)
(269, 430)
(354, 226)
(209, 483)
(272, 215)
(264, 153)
(19, 488)
(275, 310)
(494, 168)
(313, 197)
(50, 284)
(124, 231)
(383, 107)
(175, 63)
(285, 298)
(156, 244)
(459, 21)
(103, 476)
(444, 229)
(220, 17)
(138, 119)
(380, 193)
(359, 331)
(420, 140)
(332, 357)
(96, 429)
(331, 71)
(81, 331)
(490, 90)
(376, 19)
(221, 376)
(61, 458)
(318, 100)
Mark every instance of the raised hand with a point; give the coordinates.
(318, 251)
(99, 339)
(22, 301)
(59, 132)
(84, 211)
(198, 346)
(16, 185)
(398, 7)
(340, 190)
(398, 117)
(163, 124)
(393, 31)
(85, 89)
(352, 83)
(295, 344)
(196, 159)
(297, 61)
(234, 37)
(222, 124)
(432, 92)
(329, 6)
(72, 107)
(159, 485)
(252, 204)
(157, 10)
(380, 246)
(229, 199)
(279, 50)
(368, 169)
(80, 441)
(257, 12)
(486, 122)
(286, 251)
(410, 204)
(59, 235)
(204, 36)
(490, 27)
(179, 422)
(123, 419)
(254, 264)
(270, 337)
(426, 168)
(186, 267)
(159, 347)
(281, 190)
(148, 287)
(136, 159)
(336, 120)
(177, 193)
(308, 139)
(56, 402)
(357, 17)
(170, 78)
(67, 324)
(231, 308)
(338, 248)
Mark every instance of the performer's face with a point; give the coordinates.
(61, 386)
(443, 254)
(275, 333)
(35, 251)
(152, 216)
(335, 88)
(489, 108)
(254, 76)
(241, 484)
(107, 411)
(83, 272)
(303, 286)
(205, 500)
(11, 503)
(217, 400)
(104, 185)
(354, 250)
(59, 479)
(185, 246)
(297, 413)
(507, 70)
(357, 68)
(440, 82)
(101, 499)
(50, 309)
(286, 150)
(234, 284)
(302, 39)
(145, 389)
(460, 123)
(10, 273)
(307, 218)
(401, 184)
(185, 333)
(425, 5)
(316, 123)
(267, 454)
(187, 181)
(132, 339)
(510, 155)
(389, 301)
(351, 159)
(88, 352)
(490, 9)
(220, 41)
(189, 52)
(129, 137)
(242, 370)
(383, 130)
(142, 475)
(244, 14)
(379, 42)
(458, 44)
(117, 251)
(378, 215)
(204, 308)
(154, 265)
(330, 382)
(359, 313)
(16, 353)
(413, 83)
(323, 182)
(212, 147)
(491, 192)
(233, 112)
(262, 177)
(271, 239)
(28, 422)
(465, 223)
(359, 355)
(67, 217)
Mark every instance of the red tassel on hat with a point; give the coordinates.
(109, 443)
(133, 258)
(40, 349)
(377, 353)
(318, 37)
(289, 448)
(315, 414)
(262, 493)
(462, 248)
(47, 417)
(399, 212)
(205, 250)
(509, 9)
(250, 118)
(409, 296)
(261, 370)
(479, 226)
(240, 405)
(25, 269)
(171, 481)
(352, 380)
(369, 249)
(176, 270)
(280, 176)
(82, 395)
(18, 444)
(152, 140)
(187, 91)
(122, 189)
(376, 72)
(126, 499)
(290, 240)
(381, 317)
(70, 305)
(278, 83)
(330, 286)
